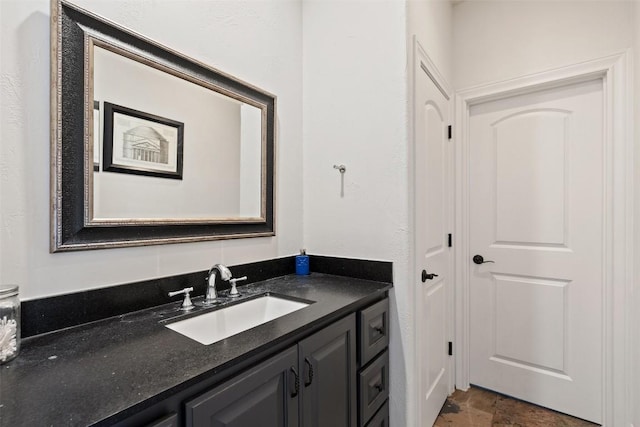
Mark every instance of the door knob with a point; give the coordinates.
(426, 276)
(478, 259)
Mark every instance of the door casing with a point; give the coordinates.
(618, 223)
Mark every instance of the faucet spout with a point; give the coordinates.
(211, 295)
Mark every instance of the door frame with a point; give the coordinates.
(421, 60)
(615, 71)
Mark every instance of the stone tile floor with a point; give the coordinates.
(479, 408)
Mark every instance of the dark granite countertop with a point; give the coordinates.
(102, 372)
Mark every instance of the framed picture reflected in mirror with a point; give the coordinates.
(141, 143)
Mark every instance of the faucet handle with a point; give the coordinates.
(234, 291)
(186, 303)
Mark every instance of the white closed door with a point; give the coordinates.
(433, 255)
(537, 211)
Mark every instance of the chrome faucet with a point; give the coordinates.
(211, 296)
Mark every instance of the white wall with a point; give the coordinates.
(498, 40)
(634, 399)
(355, 113)
(495, 41)
(356, 96)
(432, 23)
(259, 42)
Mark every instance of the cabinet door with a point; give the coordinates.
(328, 376)
(266, 396)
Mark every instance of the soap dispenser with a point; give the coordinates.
(302, 263)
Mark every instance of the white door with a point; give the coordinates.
(536, 208)
(432, 222)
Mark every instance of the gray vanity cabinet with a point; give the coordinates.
(373, 358)
(265, 395)
(328, 368)
(312, 384)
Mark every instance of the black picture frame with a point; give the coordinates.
(150, 129)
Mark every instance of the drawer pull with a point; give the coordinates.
(376, 385)
(308, 382)
(296, 387)
(378, 329)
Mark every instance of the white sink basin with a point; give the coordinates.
(217, 325)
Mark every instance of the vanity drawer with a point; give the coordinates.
(373, 330)
(381, 418)
(373, 387)
(168, 421)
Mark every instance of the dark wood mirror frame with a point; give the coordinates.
(72, 32)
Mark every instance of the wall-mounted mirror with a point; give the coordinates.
(150, 146)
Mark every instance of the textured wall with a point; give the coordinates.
(355, 104)
(259, 42)
(431, 22)
(498, 40)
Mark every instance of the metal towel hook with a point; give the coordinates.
(342, 169)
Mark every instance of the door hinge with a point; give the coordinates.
(450, 132)
(450, 348)
(450, 241)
